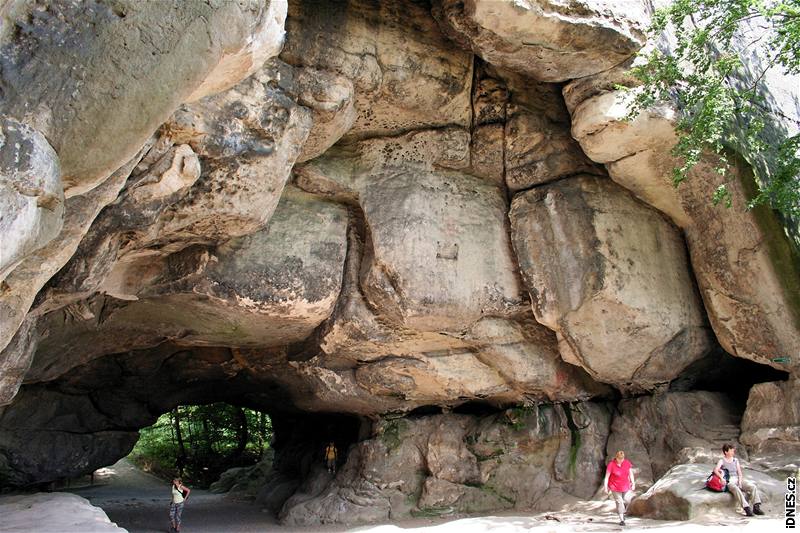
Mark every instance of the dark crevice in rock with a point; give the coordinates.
(721, 372)
(299, 444)
(560, 179)
(425, 410)
(475, 408)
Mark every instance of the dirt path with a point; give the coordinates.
(139, 503)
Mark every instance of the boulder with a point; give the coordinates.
(54, 512)
(455, 226)
(547, 40)
(245, 482)
(771, 421)
(417, 213)
(610, 276)
(681, 495)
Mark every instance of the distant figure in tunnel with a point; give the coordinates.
(179, 494)
(619, 482)
(331, 455)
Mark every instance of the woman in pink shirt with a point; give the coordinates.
(619, 482)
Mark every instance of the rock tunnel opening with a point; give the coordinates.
(247, 452)
(92, 415)
(200, 442)
(721, 372)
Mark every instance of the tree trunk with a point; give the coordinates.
(262, 432)
(181, 459)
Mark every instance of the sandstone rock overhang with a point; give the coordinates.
(406, 208)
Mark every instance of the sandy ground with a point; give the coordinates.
(139, 503)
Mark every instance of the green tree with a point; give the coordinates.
(702, 73)
(202, 441)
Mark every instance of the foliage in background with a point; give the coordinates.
(200, 442)
(700, 72)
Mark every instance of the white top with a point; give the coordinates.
(177, 496)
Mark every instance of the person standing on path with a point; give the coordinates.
(737, 485)
(179, 494)
(619, 482)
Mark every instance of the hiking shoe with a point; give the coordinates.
(748, 511)
(757, 509)
(622, 522)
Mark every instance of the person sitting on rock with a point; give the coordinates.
(330, 457)
(620, 483)
(737, 484)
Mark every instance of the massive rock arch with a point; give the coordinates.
(372, 221)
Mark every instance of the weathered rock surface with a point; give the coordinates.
(771, 421)
(245, 139)
(610, 276)
(99, 111)
(46, 435)
(406, 74)
(244, 482)
(331, 98)
(550, 41)
(267, 289)
(419, 213)
(681, 495)
(434, 307)
(521, 131)
(699, 424)
(458, 463)
(21, 285)
(16, 359)
(728, 247)
(249, 137)
(31, 197)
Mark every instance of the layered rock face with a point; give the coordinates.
(426, 225)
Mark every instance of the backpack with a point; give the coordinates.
(715, 484)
